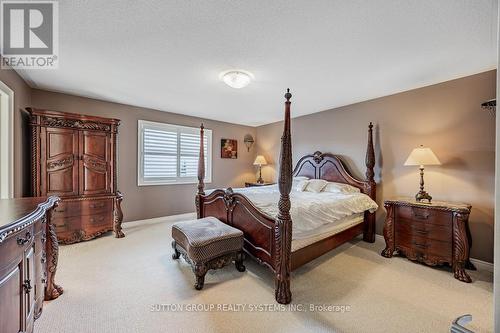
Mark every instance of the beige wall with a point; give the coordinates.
(446, 117)
(144, 201)
(141, 202)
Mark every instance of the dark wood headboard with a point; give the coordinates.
(328, 167)
(331, 168)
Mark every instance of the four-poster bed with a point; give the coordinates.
(269, 239)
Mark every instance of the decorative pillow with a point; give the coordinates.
(316, 185)
(333, 187)
(298, 183)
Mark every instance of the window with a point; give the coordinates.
(6, 142)
(168, 154)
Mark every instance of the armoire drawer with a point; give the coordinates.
(97, 220)
(63, 224)
(67, 209)
(100, 206)
(83, 207)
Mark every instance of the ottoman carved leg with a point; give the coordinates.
(239, 262)
(176, 253)
(199, 270)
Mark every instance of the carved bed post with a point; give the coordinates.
(201, 175)
(283, 225)
(371, 187)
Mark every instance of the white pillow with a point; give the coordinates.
(334, 187)
(316, 185)
(300, 185)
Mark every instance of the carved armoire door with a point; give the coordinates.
(95, 171)
(59, 155)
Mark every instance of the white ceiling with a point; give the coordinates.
(167, 55)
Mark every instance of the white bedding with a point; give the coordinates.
(309, 211)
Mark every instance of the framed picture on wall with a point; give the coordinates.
(229, 148)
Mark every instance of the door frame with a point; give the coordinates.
(6, 142)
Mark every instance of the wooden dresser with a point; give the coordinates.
(74, 157)
(28, 261)
(435, 234)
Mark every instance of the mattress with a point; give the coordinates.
(326, 231)
(313, 214)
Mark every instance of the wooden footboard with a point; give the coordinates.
(238, 211)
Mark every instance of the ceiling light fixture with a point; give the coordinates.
(236, 78)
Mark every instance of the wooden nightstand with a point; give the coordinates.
(436, 233)
(257, 184)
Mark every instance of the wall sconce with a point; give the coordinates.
(249, 141)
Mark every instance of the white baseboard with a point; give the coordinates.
(170, 218)
(480, 265)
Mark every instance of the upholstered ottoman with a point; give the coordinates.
(207, 243)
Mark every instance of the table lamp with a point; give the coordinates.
(422, 156)
(260, 161)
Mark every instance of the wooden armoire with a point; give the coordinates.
(74, 158)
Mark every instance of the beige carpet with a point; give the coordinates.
(112, 284)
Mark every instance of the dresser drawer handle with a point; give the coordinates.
(420, 216)
(421, 232)
(21, 241)
(94, 206)
(422, 246)
(60, 210)
(100, 219)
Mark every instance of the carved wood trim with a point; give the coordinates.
(201, 175)
(73, 123)
(434, 207)
(52, 290)
(460, 246)
(95, 165)
(118, 216)
(63, 163)
(389, 231)
(283, 227)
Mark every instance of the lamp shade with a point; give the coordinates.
(260, 160)
(422, 156)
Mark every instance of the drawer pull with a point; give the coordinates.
(421, 232)
(99, 219)
(94, 206)
(60, 210)
(27, 286)
(420, 215)
(21, 241)
(422, 246)
(44, 259)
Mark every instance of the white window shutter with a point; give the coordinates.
(168, 154)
